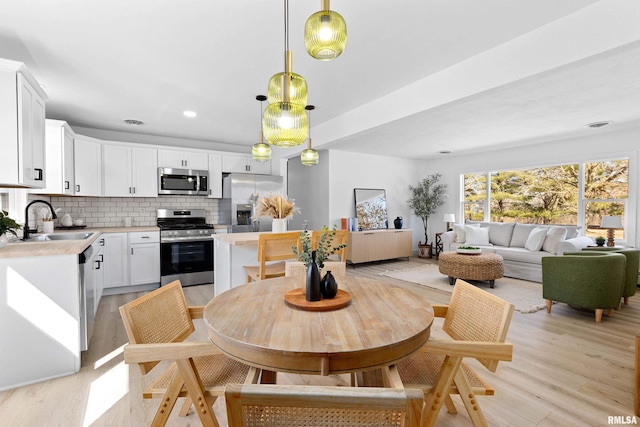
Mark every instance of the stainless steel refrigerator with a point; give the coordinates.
(240, 192)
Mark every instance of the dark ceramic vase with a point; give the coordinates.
(313, 280)
(397, 223)
(328, 286)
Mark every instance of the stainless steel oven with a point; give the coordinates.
(186, 247)
(187, 182)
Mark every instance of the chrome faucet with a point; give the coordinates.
(26, 230)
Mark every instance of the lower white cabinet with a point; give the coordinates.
(116, 260)
(131, 259)
(144, 258)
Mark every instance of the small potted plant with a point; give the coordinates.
(600, 240)
(325, 246)
(7, 225)
(426, 198)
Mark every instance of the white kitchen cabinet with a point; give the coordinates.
(244, 164)
(144, 258)
(97, 268)
(116, 260)
(215, 176)
(59, 153)
(129, 171)
(22, 127)
(87, 166)
(183, 159)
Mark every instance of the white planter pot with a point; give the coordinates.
(3, 241)
(279, 225)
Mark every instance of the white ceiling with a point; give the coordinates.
(418, 76)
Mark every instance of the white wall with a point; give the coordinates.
(600, 146)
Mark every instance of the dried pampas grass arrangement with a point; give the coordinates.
(276, 206)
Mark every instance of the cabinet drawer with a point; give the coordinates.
(144, 237)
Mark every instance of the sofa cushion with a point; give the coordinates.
(476, 235)
(554, 235)
(500, 233)
(519, 255)
(521, 234)
(460, 235)
(536, 239)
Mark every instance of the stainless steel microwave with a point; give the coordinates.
(186, 182)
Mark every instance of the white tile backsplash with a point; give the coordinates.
(111, 211)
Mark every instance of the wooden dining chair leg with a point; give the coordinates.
(168, 400)
(470, 400)
(451, 408)
(440, 391)
(184, 411)
(193, 383)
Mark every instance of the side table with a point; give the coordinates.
(439, 247)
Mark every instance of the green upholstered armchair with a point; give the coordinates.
(631, 273)
(589, 279)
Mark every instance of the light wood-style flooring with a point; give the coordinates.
(567, 370)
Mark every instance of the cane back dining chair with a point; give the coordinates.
(261, 405)
(340, 237)
(157, 324)
(478, 322)
(273, 250)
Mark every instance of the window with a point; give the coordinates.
(474, 196)
(573, 194)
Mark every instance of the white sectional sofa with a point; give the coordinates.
(522, 246)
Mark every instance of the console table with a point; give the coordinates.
(378, 245)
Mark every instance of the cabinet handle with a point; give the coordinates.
(97, 264)
(129, 190)
(39, 176)
(367, 233)
(66, 185)
(144, 237)
(131, 251)
(101, 242)
(134, 190)
(101, 258)
(77, 188)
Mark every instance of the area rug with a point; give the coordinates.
(525, 295)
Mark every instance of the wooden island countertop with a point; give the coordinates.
(239, 239)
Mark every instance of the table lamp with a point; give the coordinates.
(611, 222)
(449, 218)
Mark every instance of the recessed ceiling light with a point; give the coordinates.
(597, 125)
(190, 113)
(444, 152)
(133, 122)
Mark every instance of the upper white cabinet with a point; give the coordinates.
(59, 152)
(244, 164)
(22, 113)
(215, 176)
(183, 159)
(129, 171)
(88, 166)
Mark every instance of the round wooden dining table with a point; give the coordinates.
(381, 325)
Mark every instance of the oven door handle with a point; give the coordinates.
(185, 239)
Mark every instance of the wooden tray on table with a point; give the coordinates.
(297, 298)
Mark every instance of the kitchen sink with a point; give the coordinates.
(59, 236)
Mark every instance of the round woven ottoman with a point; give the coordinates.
(482, 266)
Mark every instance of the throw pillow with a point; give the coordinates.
(477, 236)
(458, 229)
(500, 234)
(536, 239)
(520, 234)
(554, 236)
(460, 235)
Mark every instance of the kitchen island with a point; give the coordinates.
(232, 251)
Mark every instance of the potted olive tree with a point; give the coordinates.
(426, 198)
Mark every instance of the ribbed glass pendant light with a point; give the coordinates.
(325, 34)
(261, 151)
(285, 121)
(309, 157)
